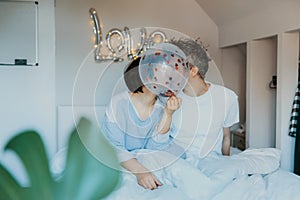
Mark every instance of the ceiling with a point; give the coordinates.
(225, 11)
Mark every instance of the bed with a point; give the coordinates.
(278, 185)
(267, 182)
(259, 177)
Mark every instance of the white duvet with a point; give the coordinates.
(250, 175)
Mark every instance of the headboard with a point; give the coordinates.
(68, 116)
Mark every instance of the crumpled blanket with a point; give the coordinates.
(207, 178)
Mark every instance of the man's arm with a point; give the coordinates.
(226, 142)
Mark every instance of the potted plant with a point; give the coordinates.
(91, 169)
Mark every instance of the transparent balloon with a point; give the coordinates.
(163, 69)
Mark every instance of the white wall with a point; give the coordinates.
(278, 18)
(74, 40)
(28, 94)
(261, 100)
(234, 74)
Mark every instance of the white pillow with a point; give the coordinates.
(250, 161)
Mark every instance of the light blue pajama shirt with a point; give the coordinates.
(127, 132)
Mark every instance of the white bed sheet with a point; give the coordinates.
(277, 185)
(272, 184)
(268, 182)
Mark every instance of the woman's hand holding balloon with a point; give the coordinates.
(173, 104)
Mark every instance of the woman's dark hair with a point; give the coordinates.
(132, 76)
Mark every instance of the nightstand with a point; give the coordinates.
(239, 140)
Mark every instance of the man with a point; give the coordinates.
(208, 110)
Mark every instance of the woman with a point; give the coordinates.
(135, 120)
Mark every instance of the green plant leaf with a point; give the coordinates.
(9, 187)
(30, 148)
(92, 168)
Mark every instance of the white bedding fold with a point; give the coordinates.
(205, 178)
(250, 161)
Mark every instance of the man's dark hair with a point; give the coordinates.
(132, 76)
